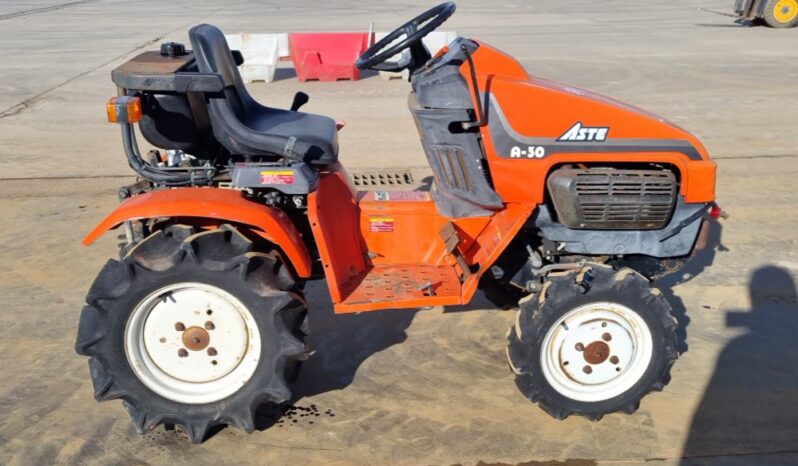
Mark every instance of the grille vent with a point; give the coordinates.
(383, 178)
(613, 199)
(451, 169)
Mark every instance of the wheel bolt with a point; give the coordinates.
(606, 337)
(587, 369)
(182, 352)
(212, 351)
(179, 326)
(209, 325)
(614, 359)
(580, 347)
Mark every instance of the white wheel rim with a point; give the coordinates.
(192, 343)
(596, 352)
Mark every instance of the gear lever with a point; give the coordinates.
(300, 99)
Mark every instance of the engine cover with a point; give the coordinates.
(613, 199)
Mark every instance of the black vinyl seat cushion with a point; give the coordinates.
(245, 127)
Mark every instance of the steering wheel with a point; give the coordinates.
(376, 58)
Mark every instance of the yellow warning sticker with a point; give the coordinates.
(277, 177)
(381, 224)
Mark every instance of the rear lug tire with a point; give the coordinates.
(193, 329)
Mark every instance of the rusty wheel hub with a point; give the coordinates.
(196, 338)
(596, 352)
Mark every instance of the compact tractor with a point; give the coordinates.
(545, 196)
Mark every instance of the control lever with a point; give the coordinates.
(481, 118)
(238, 57)
(300, 99)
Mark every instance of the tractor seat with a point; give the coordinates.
(245, 127)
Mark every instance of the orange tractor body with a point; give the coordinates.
(363, 237)
(540, 190)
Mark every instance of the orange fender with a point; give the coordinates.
(221, 204)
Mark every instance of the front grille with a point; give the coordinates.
(613, 199)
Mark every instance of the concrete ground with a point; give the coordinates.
(410, 387)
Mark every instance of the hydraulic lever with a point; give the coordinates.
(300, 99)
(481, 118)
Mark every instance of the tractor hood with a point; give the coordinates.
(530, 118)
(539, 112)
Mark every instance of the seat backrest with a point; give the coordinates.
(245, 127)
(214, 56)
(230, 109)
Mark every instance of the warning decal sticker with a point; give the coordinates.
(381, 224)
(282, 177)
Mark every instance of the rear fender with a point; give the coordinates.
(212, 203)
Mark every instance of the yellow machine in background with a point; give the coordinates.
(775, 13)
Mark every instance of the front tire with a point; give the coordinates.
(193, 329)
(592, 342)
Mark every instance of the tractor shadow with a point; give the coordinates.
(702, 259)
(749, 405)
(340, 344)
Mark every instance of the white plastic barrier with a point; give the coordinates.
(283, 49)
(261, 53)
(434, 42)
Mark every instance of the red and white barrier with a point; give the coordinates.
(327, 56)
(322, 56)
(261, 53)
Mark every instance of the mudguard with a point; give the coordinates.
(226, 205)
